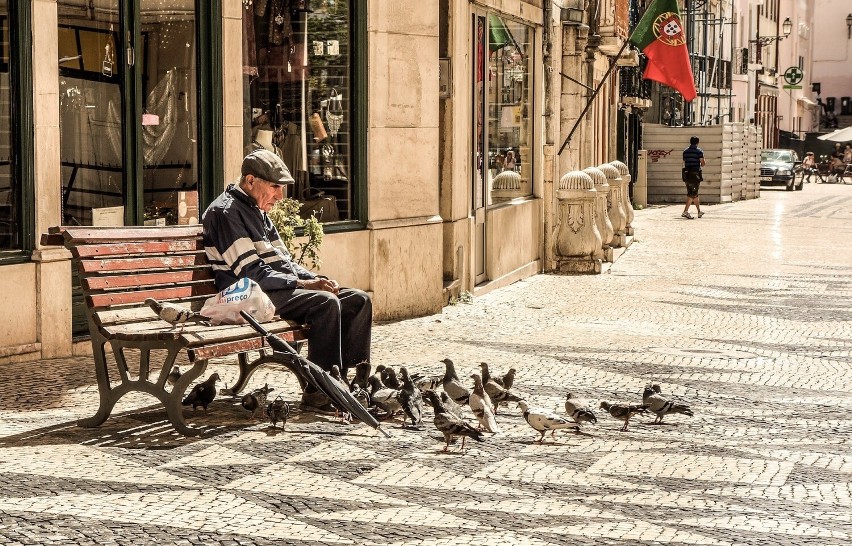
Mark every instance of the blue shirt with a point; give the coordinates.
(692, 157)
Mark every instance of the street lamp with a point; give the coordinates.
(786, 29)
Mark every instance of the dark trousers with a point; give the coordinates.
(340, 325)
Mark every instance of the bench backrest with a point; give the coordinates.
(119, 267)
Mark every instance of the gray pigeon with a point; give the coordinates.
(426, 382)
(452, 385)
(480, 405)
(278, 410)
(450, 425)
(173, 376)
(509, 379)
(486, 374)
(256, 400)
(498, 394)
(175, 314)
(662, 406)
(450, 405)
(580, 410)
(384, 398)
(202, 394)
(410, 399)
(623, 411)
(542, 420)
(389, 378)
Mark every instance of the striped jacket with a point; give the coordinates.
(241, 242)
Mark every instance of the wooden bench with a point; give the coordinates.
(119, 268)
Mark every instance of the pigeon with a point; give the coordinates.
(450, 405)
(362, 374)
(480, 405)
(486, 375)
(202, 394)
(383, 397)
(378, 375)
(452, 385)
(335, 374)
(426, 382)
(509, 379)
(256, 400)
(389, 378)
(498, 394)
(174, 375)
(175, 314)
(623, 411)
(543, 420)
(449, 424)
(410, 399)
(278, 410)
(662, 406)
(580, 410)
(362, 396)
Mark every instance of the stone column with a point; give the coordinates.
(601, 216)
(577, 237)
(615, 209)
(625, 195)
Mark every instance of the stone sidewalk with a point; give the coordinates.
(745, 313)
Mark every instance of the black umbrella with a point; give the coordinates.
(316, 376)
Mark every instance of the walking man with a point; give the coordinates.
(693, 160)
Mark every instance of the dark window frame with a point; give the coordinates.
(21, 93)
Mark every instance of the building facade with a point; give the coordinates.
(424, 123)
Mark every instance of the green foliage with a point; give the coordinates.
(285, 216)
(463, 297)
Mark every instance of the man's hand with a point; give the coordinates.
(326, 285)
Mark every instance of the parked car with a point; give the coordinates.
(780, 167)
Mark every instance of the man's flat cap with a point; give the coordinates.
(267, 165)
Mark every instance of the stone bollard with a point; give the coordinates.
(577, 238)
(625, 196)
(506, 185)
(615, 208)
(601, 215)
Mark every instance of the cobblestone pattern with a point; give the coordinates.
(744, 313)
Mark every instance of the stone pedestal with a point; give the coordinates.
(625, 195)
(577, 238)
(601, 216)
(505, 186)
(615, 208)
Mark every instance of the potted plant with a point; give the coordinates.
(304, 248)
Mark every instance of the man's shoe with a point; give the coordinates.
(687, 215)
(700, 214)
(316, 402)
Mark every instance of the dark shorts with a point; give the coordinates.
(692, 189)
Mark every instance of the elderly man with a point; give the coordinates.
(241, 241)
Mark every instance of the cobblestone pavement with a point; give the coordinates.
(744, 313)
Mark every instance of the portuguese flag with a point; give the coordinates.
(660, 35)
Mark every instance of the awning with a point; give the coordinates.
(808, 103)
(768, 90)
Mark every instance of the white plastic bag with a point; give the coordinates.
(243, 295)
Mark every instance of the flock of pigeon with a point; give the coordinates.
(389, 394)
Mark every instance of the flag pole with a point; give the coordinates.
(594, 95)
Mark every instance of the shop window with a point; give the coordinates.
(504, 84)
(126, 161)
(10, 198)
(297, 66)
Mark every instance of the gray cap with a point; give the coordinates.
(267, 165)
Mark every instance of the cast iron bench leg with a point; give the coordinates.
(108, 398)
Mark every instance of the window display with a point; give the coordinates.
(296, 67)
(10, 198)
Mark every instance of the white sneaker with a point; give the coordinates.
(700, 214)
(687, 215)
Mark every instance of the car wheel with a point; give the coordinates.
(791, 185)
(801, 185)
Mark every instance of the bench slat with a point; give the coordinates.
(76, 235)
(232, 347)
(111, 282)
(137, 247)
(109, 299)
(192, 335)
(142, 263)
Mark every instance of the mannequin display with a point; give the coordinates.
(264, 138)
